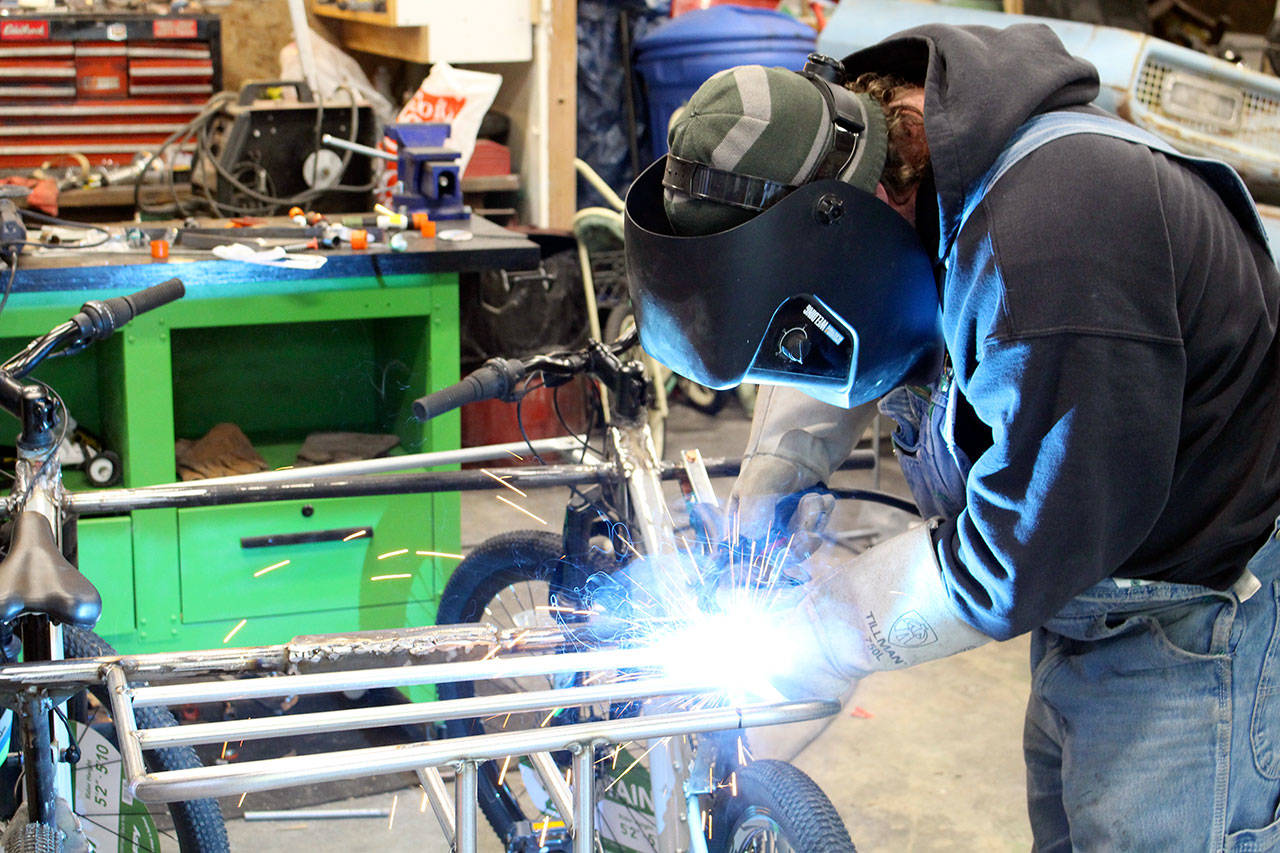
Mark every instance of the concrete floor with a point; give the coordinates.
(925, 760)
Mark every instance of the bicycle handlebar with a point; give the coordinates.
(99, 318)
(498, 378)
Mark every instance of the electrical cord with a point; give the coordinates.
(64, 223)
(199, 134)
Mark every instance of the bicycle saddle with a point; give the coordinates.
(36, 578)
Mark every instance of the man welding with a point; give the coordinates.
(1076, 328)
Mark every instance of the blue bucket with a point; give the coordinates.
(677, 57)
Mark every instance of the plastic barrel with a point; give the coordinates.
(677, 57)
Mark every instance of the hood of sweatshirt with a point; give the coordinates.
(980, 84)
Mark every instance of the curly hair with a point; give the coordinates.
(908, 157)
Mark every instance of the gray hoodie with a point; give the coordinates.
(1114, 330)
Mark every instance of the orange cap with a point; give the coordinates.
(359, 239)
(427, 229)
(295, 211)
(419, 219)
(160, 250)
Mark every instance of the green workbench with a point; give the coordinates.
(281, 354)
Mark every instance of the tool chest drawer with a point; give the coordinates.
(105, 87)
(272, 559)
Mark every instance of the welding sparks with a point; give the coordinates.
(242, 796)
(422, 806)
(503, 482)
(519, 508)
(234, 631)
(391, 577)
(355, 535)
(502, 774)
(395, 553)
(391, 821)
(516, 455)
(271, 568)
(445, 554)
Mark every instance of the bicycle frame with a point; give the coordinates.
(315, 664)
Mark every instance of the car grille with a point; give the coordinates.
(1259, 120)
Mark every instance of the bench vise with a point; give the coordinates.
(428, 174)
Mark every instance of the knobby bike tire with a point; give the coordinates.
(499, 562)
(774, 792)
(198, 824)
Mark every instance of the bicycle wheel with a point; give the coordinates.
(112, 819)
(772, 806)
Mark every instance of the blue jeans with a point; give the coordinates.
(1154, 718)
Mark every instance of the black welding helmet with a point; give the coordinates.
(758, 252)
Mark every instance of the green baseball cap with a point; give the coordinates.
(763, 132)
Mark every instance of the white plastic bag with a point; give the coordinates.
(335, 69)
(457, 96)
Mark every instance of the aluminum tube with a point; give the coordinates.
(365, 679)
(229, 779)
(383, 464)
(126, 724)
(416, 712)
(584, 801)
(74, 674)
(317, 814)
(549, 772)
(197, 493)
(466, 789)
(438, 796)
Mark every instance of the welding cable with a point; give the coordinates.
(204, 146)
(211, 108)
(64, 223)
(8, 284)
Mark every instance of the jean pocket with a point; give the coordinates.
(1171, 636)
(1264, 727)
(908, 406)
(1255, 840)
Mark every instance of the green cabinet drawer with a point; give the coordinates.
(105, 547)
(272, 559)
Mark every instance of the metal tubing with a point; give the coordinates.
(384, 464)
(228, 779)
(125, 722)
(438, 796)
(337, 142)
(316, 814)
(466, 789)
(584, 800)
(365, 679)
(416, 712)
(18, 678)
(112, 501)
(558, 789)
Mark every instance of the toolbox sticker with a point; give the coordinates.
(24, 30)
(174, 28)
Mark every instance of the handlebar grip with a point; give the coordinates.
(99, 318)
(496, 378)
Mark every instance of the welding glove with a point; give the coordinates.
(886, 608)
(796, 442)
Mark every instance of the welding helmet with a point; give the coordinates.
(758, 252)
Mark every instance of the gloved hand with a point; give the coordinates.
(886, 608)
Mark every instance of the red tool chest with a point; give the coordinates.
(105, 87)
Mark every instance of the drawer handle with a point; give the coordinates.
(338, 534)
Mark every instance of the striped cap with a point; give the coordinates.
(768, 123)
